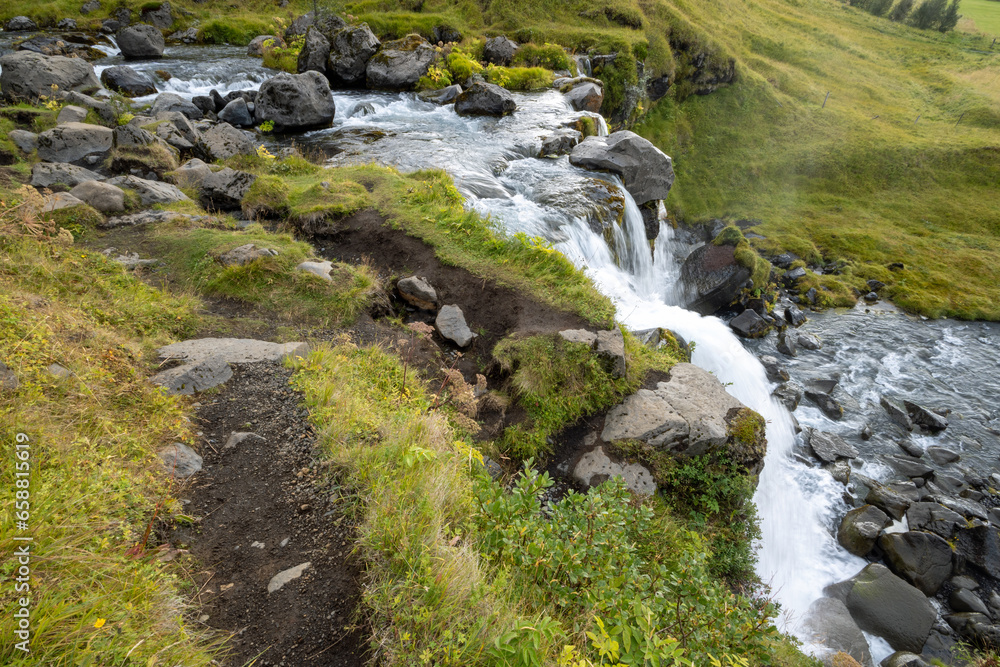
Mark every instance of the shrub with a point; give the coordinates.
(929, 14)
(901, 11)
(435, 79)
(879, 7)
(284, 58)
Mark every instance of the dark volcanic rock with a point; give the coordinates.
(350, 51)
(860, 528)
(499, 51)
(295, 102)
(127, 81)
(749, 324)
(885, 605)
(646, 171)
(485, 99)
(140, 41)
(400, 64)
(923, 559)
(714, 276)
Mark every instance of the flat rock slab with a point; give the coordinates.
(320, 269)
(180, 460)
(596, 467)
(232, 350)
(193, 377)
(283, 577)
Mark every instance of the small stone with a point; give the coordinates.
(787, 346)
(283, 577)
(284, 542)
(925, 417)
(875, 285)
(245, 254)
(582, 336)
(611, 349)
(871, 297)
(450, 323)
(775, 371)
(256, 545)
(897, 412)
(8, 379)
(808, 341)
(749, 324)
(58, 371)
(794, 316)
(237, 437)
(71, 114)
(418, 292)
(180, 460)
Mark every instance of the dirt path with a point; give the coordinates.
(268, 508)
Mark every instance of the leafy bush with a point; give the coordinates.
(589, 557)
(435, 79)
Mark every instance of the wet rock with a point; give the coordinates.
(110, 26)
(892, 503)
(897, 412)
(256, 45)
(829, 447)
(789, 393)
(350, 51)
(25, 141)
(140, 41)
(125, 80)
(236, 113)
(499, 51)
(561, 142)
(582, 336)
(104, 197)
(925, 417)
(587, 96)
(611, 350)
(866, 432)
(828, 623)
(189, 36)
(909, 467)
(400, 64)
(46, 174)
(446, 95)
(883, 604)
(417, 292)
(963, 599)
(320, 269)
(205, 103)
(73, 142)
(935, 518)
(794, 276)
(193, 377)
(191, 174)
(223, 141)
(646, 171)
(27, 75)
(160, 17)
(179, 460)
(295, 102)
(595, 467)
(245, 254)
(980, 546)
(749, 324)
(943, 455)
(151, 192)
(315, 52)
(904, 659)
(775, 371)
(923, 559)
(451, 325)
(786, 344)
(224, 190)
(860, 528)
(713, 275)
(808, 341)
(794, 316)
(964, 506)
(174, 102)
(828, 404)
(279, 580)
(485, 99)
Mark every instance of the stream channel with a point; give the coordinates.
(872, 351)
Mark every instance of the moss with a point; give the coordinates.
(266, 198)
(747, 438)
(549, 56)
(462, 66)
(235, 31)
(730, 235)
(519, 78)
(152, 158)
(318, 204)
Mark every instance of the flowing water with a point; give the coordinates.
(593, 221)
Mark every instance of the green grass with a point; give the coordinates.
(982, 16)
(271, 283)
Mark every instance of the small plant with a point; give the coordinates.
(262, 151)
(267, 126)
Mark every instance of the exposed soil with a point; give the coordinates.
(269, 490)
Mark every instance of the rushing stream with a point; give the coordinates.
(496, 166)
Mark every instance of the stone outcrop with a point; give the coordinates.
(400, 64)
(923, 559)
(27, 76)
(125, 80)
(73, 142)
(224, 190)
(223, 141)
(295, 102)
(713, 277)
(645, 170)
(586, 96)
(350, 51)
(860, 529)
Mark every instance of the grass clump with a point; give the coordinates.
(266, 198)
(270, 283)
(760, 268)
(462, 66)
(152, 158)
(557, 382)
(549, 56)
(95, 481)
(235, 31)
(284, 58)
(77, 219)
(519, 78)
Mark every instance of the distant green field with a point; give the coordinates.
(985, 14)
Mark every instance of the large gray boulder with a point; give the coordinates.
(161, 16)
(72, 142)
(485, 99)
(713, 277)
(350, 51)
(151, 192)
(829, 447)
(499, 51)
(125, 80)
(295, 102)
(20, 24)
(935, 518)
(104, 197)
(315, 52)
(224, 190)
(883, 604)
(27, 76)
(191, 174)
(646, 171)
(828, 623)
(46, 174)
(860, 528)
(223, 141)
(236, 113)
(400, 64)
(686, 414)
(586, 96)
(923, 559)
(140, 41)
(166, 102)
